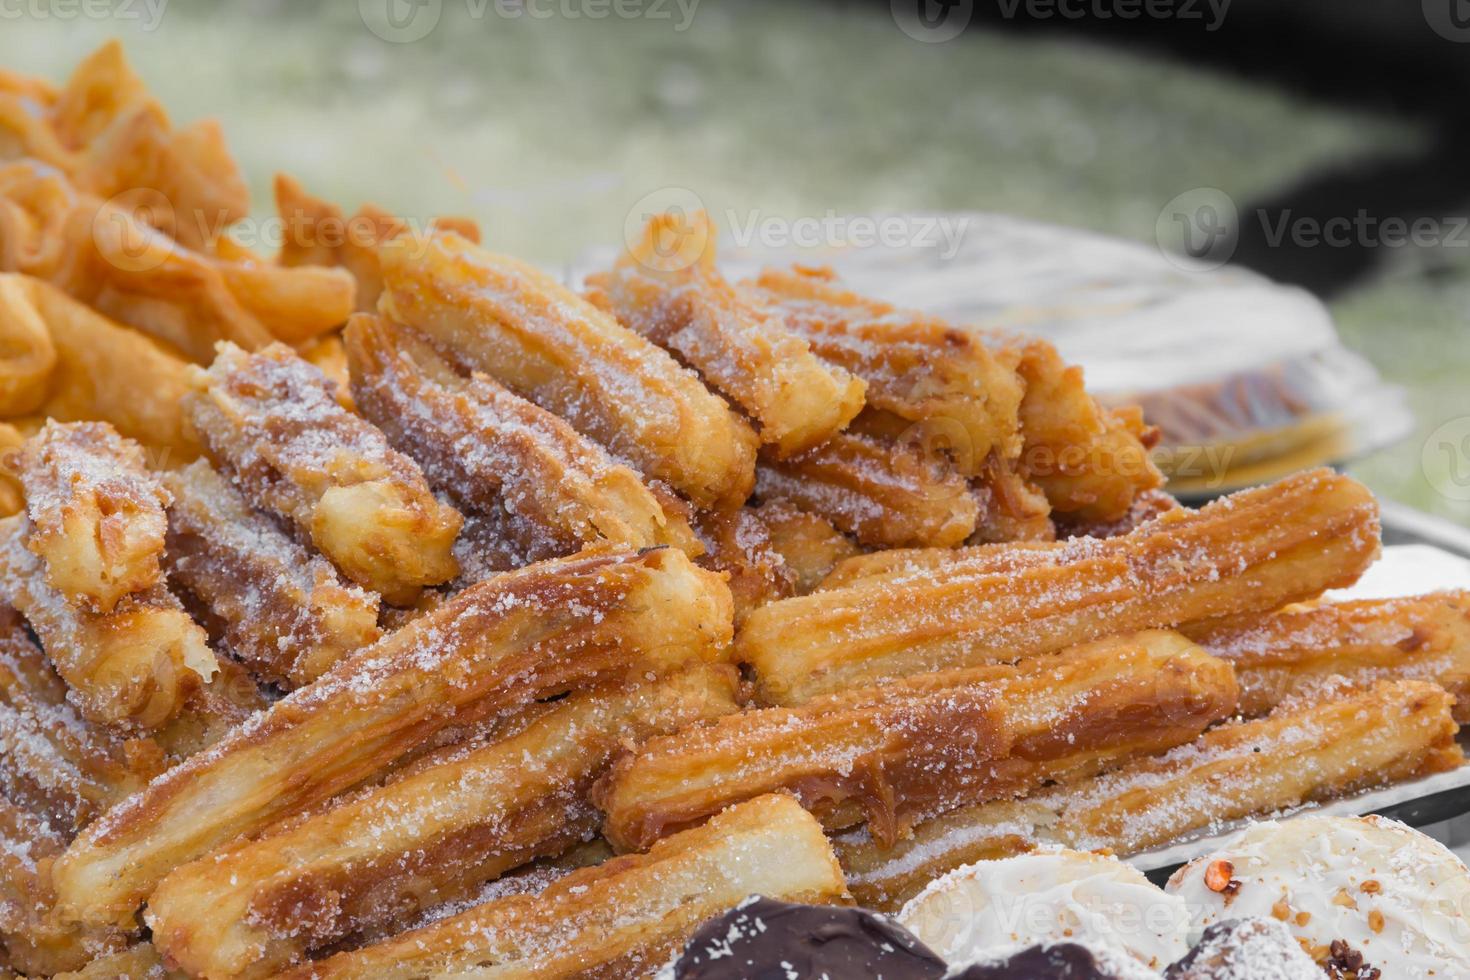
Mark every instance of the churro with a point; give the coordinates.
(270, 422)
(917, 367)
(807, 544)
(885, 494)
(624, 918)
(96, 512)
(518, 637)
(527, 331)
(132, 667)
(488, 449)
(667, 288)
(1310, 749)
(276, 606)
(434, 835)
(901, 752)
(738, 543)
(1249, 553)
(1281, 653)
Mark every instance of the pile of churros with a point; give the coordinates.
(388, 608)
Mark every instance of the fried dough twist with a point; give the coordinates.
(434, 835)
(547, 344)
(96, 512)
(271, 423)
(904, 751)
(667, 288)
(519, 637)
(1310, 749)
(279, 608)
(488, 449)
(1249, 553)
(621, 919)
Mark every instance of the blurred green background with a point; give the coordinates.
(548, 129)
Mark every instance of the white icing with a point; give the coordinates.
(1049, 896)
(1393, 894)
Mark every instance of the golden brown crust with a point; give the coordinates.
(667, 288)
(885, 494)
(1091, 462)
(433, 835)
(738, 544)
(139, 961)
(905, 751)
(917, 367)
(808, 545)
(623, 918)
(489, 449)
(278, 607)
(96, 512)
(1251, 552)
(521, 327)
(1330, 744)
(271, 423)
(1283, 653)
(132, 667)
(540, 631)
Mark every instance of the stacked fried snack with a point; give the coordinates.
(457, 623)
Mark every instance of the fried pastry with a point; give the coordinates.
(318, 234)
(807, 544)
(1092, 462)
(132, 667)
(12, 497)
(516, 638)
(885, 494)
(621, 919)
(1281, 653)
(1249, 553)
(52, 761)
(667, 288)
(738, 543)
(488, 449)
(278, 607)
(96, 512)
(139, 961)
(527, 331)
(904, 751)
(435, 834)
(271, 423)
(1307, 750)
(84, 382)
(917, 367)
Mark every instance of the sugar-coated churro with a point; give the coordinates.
(917, 367)
(96, 512)
(807, 543)
(434, 835)
(738, 543)
(623, 918)
(1249, 553)
(279, 608)
(1328, 744)
(271, 422)
(1280, 653)
(518, 637)
(908, 750)
(667, 288)
(547, 344)
(887, 495)
(488, 448)
(132, 667)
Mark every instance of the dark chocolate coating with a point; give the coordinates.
(1060, 961)
(770, 940)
